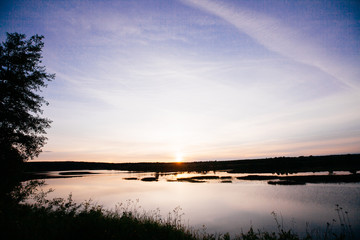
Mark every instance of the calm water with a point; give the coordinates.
(221, 207)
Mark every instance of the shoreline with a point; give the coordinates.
(280, 165)
(277, 168)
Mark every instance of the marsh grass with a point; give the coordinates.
(30, 215)
(191, 180)
(149, 179)
(196, 179)
(226, 181)
(226, 177)
(130, 178)
(342, 222)
(76, 173)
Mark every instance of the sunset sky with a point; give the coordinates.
(195, 80)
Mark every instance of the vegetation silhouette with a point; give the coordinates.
(76, 173)
(22, 128)
(149, 179)
(280, 166)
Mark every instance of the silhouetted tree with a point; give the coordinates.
(22, 128)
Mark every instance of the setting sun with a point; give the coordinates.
(179, 157)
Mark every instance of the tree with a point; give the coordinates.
(22, 76)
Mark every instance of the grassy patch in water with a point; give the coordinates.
(226, 181)
(258, 177)
(131, 178)
(302, 180)
(197, 179)
(226, 177)
(149, 179)
(189, 180)
(76, 173)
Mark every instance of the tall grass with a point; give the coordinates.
(32, 216)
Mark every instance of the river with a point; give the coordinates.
(223, 204)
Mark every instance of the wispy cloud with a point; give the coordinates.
(145, 79)
(282, 39)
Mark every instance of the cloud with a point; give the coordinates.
(126, 90)
(282, 39)
(112, 24)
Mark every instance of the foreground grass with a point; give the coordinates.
(63, 219)
(28, 222)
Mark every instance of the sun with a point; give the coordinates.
(179, 158)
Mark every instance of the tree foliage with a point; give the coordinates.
(22, 76)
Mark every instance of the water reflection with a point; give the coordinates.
(221, 207)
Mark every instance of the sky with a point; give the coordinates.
(191, 80)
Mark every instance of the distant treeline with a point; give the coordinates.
(280, 165)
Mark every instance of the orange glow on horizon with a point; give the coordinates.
(179, 158)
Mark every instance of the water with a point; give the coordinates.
(221, 207)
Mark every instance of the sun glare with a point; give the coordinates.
(179, 157)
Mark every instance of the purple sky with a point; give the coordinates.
(196, 80)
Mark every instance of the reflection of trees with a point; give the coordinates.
(156, 176)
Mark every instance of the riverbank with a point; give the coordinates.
(280, 165)
(279, 169)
